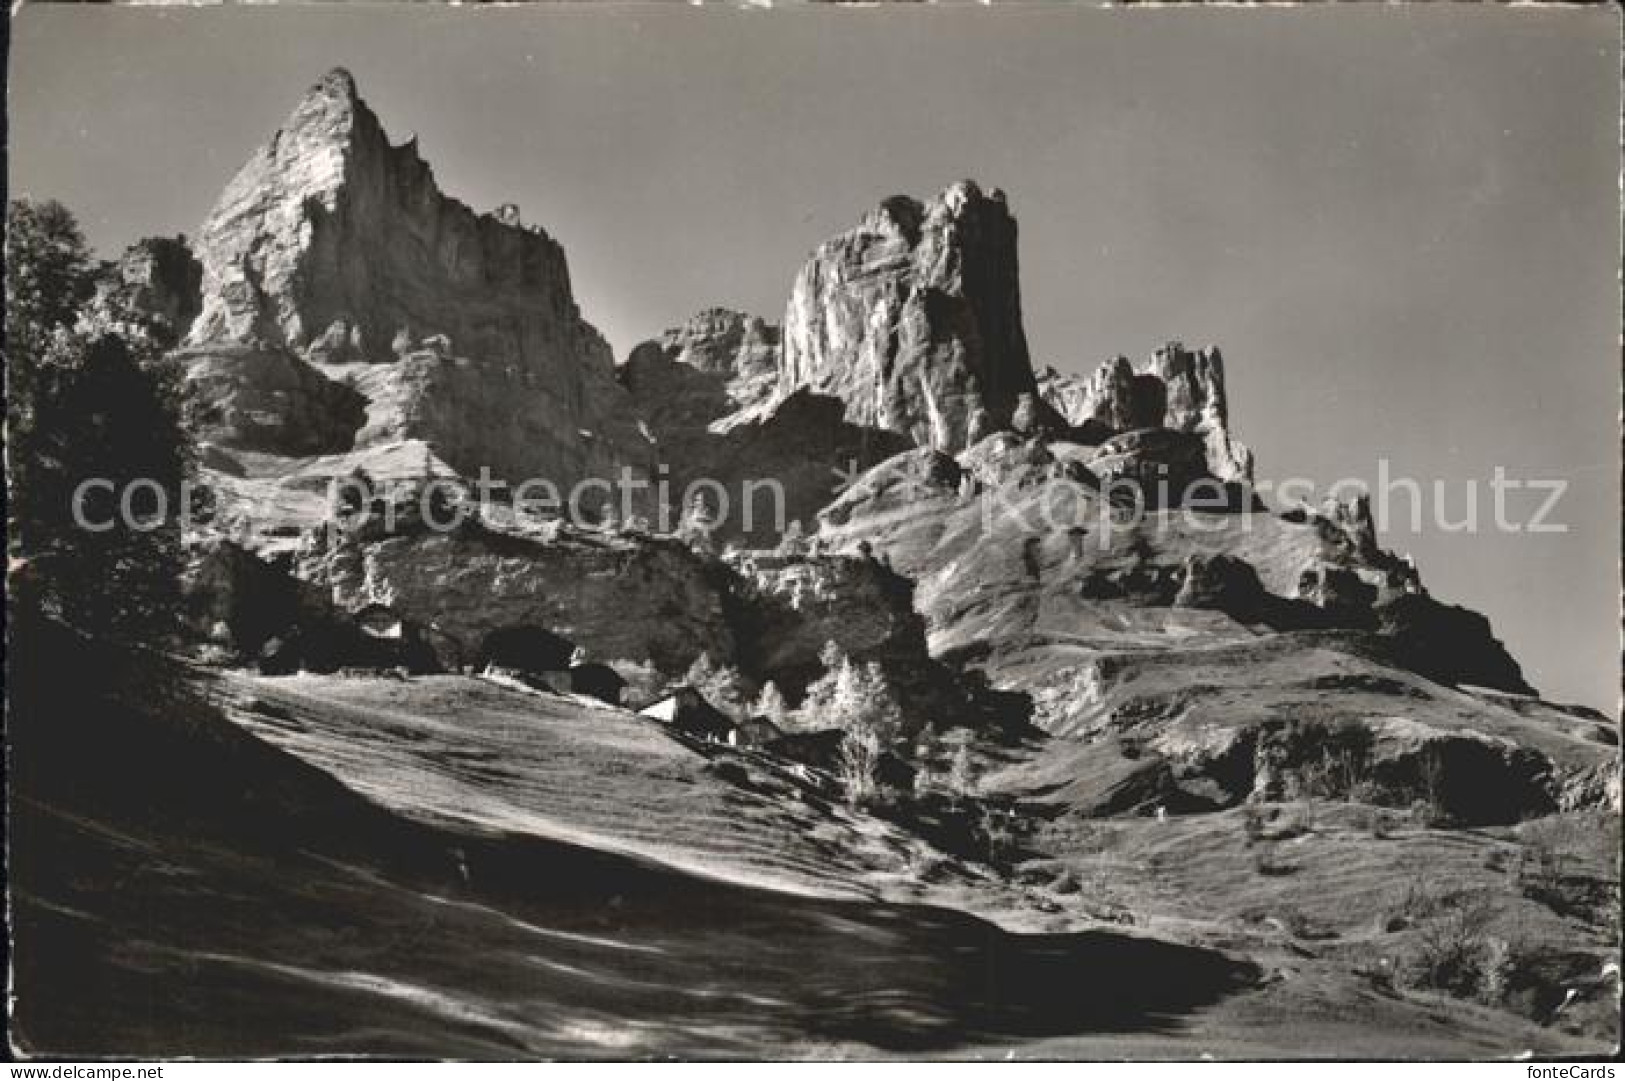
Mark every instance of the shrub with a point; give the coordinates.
(1338, 774)
(1417, 902)
(1299, 821)
(1457, 955)
(1322, 760)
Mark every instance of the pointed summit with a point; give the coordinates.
(337, 82)
(332, 248)
(334, 94)
(332, 112)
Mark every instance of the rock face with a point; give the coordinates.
(706, 393)
(1176, 389)
(797, 603)
(741, 348)
(619, 599)
(692, 376)
(624, 597)
(913, 319)
(1161, 463)
(271, 401)
(334, 254)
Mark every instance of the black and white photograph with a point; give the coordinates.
(812, 532)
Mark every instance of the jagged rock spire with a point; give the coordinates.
(913, 318)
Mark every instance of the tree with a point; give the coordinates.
(861, 748)
(770, 704)
(86, 417)
(49, 277)
(721, 685)
(850, 695)
(864, 699)
(866, 711)
(96, 477)
(928, 754)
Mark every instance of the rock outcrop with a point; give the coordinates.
(1162, 464)
(913, 319)
(154, 290)
(741, 348)
(620, 599)
(333, 261)
(794, 604)
(1176, 389)
(707, 395)
(694, 375)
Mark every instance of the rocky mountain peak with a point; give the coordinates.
(347, 301)
(913, 319)
(332, 104)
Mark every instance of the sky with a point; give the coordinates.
(1400, 224)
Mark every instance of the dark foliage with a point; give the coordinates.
(96, 454)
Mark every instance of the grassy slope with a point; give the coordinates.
(445, 867)
(229, 898)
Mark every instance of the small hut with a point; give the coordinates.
(686, 710)
(755, 732)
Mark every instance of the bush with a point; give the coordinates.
(1417, 902)
(1299, 821)
(1321, 760)
(1458, 956)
